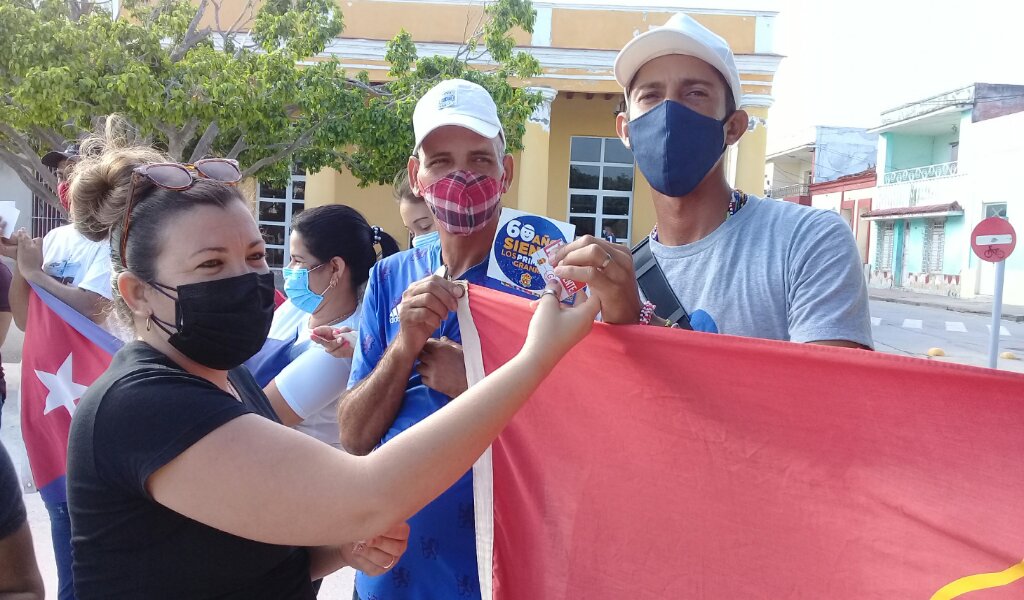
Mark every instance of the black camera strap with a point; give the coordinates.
(655, 286)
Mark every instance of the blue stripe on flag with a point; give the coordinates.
(270, 360)
(55, 492)
(82, 324)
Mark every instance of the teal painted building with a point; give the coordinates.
(945, 163)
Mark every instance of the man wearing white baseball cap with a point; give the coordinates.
(409, 362)
(718, 260)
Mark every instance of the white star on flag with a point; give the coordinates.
(63, 390)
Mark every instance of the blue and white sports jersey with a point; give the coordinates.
(441, 559)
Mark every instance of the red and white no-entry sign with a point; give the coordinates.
(993, 239)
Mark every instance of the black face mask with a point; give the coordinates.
(220, 324)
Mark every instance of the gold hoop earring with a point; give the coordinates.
(149, 322)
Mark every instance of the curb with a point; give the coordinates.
(1013, 318)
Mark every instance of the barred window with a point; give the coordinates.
(886, 233)
(934, 246)
(275, 209)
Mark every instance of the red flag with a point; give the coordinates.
(659, 463)
(64, 353)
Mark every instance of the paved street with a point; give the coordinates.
(912, 330)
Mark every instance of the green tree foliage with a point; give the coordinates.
(197, 86)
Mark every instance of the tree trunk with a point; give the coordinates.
(192, 35)
(177, 139)
(300, 142)
(239, 147)
(206, 142)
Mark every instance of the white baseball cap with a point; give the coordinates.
(456, 102)
(680, 35)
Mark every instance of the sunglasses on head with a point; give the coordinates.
(177, 177)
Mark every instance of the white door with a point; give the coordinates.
(987, 283)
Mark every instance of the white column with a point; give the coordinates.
(535, 160)
(542, 114)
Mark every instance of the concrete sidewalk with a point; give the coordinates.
(977, 306)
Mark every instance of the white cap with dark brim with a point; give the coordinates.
(456, 102)
(680, 35)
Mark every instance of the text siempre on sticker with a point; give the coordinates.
(520, 235)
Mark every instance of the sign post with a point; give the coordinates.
(993, 240)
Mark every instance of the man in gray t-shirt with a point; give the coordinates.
(774, 270)
(738, 264)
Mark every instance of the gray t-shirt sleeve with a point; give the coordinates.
(827, 294)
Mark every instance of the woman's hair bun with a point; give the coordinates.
(101, 178)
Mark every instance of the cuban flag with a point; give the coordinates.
(63, 354)
(658, 463)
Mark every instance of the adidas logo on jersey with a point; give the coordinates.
(393, 317)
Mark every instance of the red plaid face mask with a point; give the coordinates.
(62, 192)
(464, 201)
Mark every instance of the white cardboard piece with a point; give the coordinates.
(9, 213)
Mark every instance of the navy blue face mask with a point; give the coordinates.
(676, 147)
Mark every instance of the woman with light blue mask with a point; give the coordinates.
(302, 373)
(415, 214)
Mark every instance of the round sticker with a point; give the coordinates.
(515, 244)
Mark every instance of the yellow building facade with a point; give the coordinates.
(572, 167)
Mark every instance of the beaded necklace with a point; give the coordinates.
(736, 202)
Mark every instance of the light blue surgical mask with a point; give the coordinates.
(296, 287)
(425, 239)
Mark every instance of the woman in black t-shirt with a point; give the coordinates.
(180, 482)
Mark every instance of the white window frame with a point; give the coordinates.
(994, 207)
(884, 259)
(289, 202)
(934, 246)
(598, 214)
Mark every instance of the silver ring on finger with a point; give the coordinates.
(391, 563)
(607, 261)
